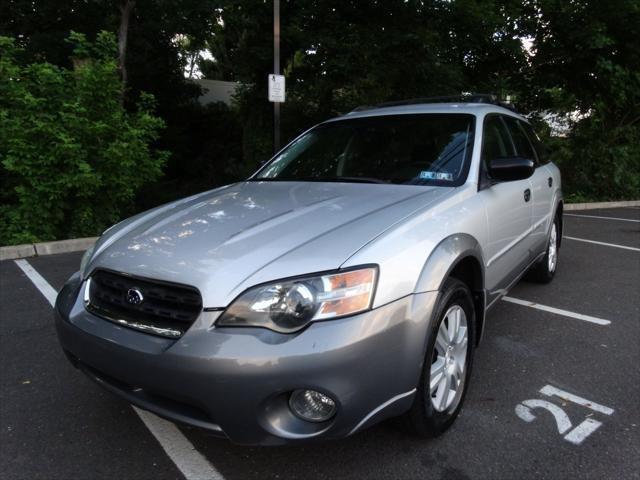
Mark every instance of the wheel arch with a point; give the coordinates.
(559, 212)
(458, 256)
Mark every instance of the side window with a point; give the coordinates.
(543, 157)
(495, 140)
(495, 144)
(520, 141)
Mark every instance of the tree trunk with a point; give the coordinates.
(125, 14)
(192, 63)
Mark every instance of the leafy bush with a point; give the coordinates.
(599, 163)
(72, 158)
(206, 151)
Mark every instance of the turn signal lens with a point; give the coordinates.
(347, 293)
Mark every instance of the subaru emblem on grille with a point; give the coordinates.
(134, 296)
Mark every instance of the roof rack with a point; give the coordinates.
(464, 98)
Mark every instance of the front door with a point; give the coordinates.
(508, 209)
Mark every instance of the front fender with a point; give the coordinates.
(445, 257)
(459, 254)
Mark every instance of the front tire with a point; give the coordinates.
(447, 365)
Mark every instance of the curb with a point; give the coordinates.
(594, 205)
(46, 248)
(80, 244)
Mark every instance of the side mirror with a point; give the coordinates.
(507, 169)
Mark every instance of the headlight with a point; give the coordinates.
(290, 305)
(85, 260)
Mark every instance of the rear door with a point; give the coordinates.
(542, 189)
(508, 211)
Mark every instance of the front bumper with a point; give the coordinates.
(236, 381)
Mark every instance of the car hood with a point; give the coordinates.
(232, 238)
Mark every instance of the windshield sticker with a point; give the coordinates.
(428, 175)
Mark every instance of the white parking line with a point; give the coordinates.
(601, 218)
(41, 284)
(192, 464)
(557, 311)
(624, 247)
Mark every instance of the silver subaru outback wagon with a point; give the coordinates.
(345, 282)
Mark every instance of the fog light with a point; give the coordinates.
(312, 406)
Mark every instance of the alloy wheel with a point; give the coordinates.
(553, 249)
(449, 359)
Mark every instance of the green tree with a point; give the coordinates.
(338, 54)
(587, 61)
(72, 158)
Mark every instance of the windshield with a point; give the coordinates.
(416, 149)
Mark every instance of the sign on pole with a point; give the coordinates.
(276, 88)
(276, 81)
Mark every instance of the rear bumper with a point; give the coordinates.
(236, 382)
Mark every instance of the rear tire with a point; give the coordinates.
(447, 365)
(545, 269)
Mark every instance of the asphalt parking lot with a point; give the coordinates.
(555, 391)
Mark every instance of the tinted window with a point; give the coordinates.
(520, 140)
(424, 149)
(495, 140)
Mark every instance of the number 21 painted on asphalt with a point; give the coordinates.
(576, 435)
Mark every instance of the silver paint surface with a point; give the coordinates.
(232, 238)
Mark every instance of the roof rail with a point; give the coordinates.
(464, 98)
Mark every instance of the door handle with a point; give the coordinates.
(527, 195)
(550, 182)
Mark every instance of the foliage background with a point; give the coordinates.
(576, 59)
(72, 156)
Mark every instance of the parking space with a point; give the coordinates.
(551, 396)
(614, 226)
(53, 423)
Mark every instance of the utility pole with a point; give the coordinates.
(276, 70)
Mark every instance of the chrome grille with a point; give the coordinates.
(164, 309)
